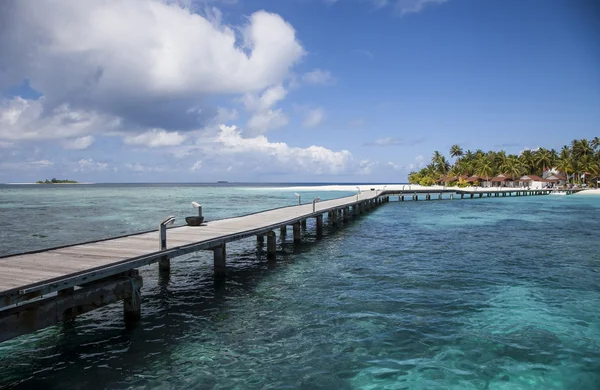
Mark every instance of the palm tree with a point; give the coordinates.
(484, 167)
(513, 167)
(581, 147)
(528, 160)
(543, 158)
(456, 151)
(564, 165)
(442, 165)
(595, 143)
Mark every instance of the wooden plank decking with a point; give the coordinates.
(84, 277)
(51, 270)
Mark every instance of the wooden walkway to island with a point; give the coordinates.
(41, 288)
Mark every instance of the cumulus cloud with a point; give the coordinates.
(313, 159)
(318, 77)
(78, 143)
(155, 138)
(22, 119)
(264, 116)
(314, 117)
(144, 61)
(89, 165)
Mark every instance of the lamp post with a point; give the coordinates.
(358, 188)
(315, 201)
(162, 229)
(195, 221)
(299, 198)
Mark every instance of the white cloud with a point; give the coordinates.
(266, 154)
(385, 141)
(269, 120)
(414, 6)
(197, 166)
(27, 165)
(418, 163)
(314, 118)
(155, 138)
(406, 6)
(6, 145)
(42, 163)
(318, 77)
(90, 165)
(365, 166)
(22, 119)
(137, 167)
(78, 143)
(396, 167)
(264, 116)
(144, 61)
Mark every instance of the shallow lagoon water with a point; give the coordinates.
(491, 293)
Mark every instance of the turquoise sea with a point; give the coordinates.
(491, 293)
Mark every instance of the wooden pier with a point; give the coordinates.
(41, 288)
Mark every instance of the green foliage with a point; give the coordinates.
(579, 161)
(427, 181)
(57, 181)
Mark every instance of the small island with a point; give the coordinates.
(57, 181)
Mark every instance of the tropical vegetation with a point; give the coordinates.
(578, 162)
(57, 181)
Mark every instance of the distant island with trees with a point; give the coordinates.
(57, 181)
(578, 162)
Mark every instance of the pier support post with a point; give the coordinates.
(354, 210)
(361, 207)
(283, 230)
(132, 305)
(462, 196)
(303, 224)
(271, 245)
(319, 219)
(428, 197)
(440, 196)
(451, 196)
(260, 239)
(472, 195)
(164, 264)
(481, 195)
(334, 217)
(220, 261)
(345, 213)
(297, 233)
(504, 194)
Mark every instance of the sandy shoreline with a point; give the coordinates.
(589, 192)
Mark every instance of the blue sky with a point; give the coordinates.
(298, 90)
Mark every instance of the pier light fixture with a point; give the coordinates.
(315, 201)
(162, 232)
(299, 198)
(199, 207)
(195, 221)
(358, 192)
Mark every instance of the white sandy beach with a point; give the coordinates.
(594, 191)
